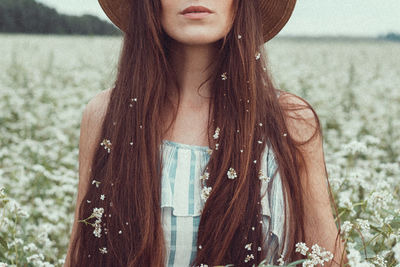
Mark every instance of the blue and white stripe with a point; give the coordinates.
(182, 205)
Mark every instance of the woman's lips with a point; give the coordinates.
(196, 12)
(196, 15)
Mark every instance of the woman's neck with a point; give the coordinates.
(190, 63)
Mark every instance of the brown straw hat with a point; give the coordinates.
(275, 14)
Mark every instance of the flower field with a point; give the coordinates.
(46, 81)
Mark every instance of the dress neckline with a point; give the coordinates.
(185, 146)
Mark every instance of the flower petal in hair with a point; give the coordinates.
(205, 192)
(224, 76)
(231, 173)
(216, 134)
(263, 177)
(107, 145)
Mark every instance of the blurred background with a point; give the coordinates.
(343, 57)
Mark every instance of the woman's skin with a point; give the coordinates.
(194, 48)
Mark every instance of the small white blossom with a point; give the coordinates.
(263, 177)
(216, 134)
(103, 250)
(223, 76)
(98, 212)
(248, 258)
(258, 55)
(380, 261)
(363, 224)
(231, 173)
(205, 176)
(96, 182)
(97, 229)
(107, 145)
(239, 36)
(102, 197)
(346, 227)
(281, 261)
(205, 193)
(302, 248)
(248, 246)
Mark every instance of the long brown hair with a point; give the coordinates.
(130, 175)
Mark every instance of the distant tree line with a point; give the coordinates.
(391, 36)
(29, 16)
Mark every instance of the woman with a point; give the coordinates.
(194, 157)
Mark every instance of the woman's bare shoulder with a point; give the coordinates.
(97, 106)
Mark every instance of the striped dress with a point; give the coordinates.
(182, 204)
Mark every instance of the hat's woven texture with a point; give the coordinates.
(275, 14)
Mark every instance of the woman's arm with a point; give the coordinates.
(92, 118)
(320, 227)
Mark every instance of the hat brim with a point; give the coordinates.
(275, 14)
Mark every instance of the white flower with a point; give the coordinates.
(281, 261)
(96, 182)
(103, 250)
(355, 147)
(98, 212)
(216, 134)
(205, 176)
(248, 257)
(263, 177)
(223, 76)
(301, 248)
(239, 36)
(231, 173)
(248, 246)
(258, 55)
(205, 193)
(363, 224)
(102, 197)
(97, 229)
(107, 145)
(346, 227)
(380, 261)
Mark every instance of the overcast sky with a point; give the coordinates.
(310, 17)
